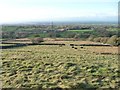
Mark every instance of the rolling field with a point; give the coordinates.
(60, 67)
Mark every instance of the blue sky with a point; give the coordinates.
(56, 10)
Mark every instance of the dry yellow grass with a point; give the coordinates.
(51, 66)
(104, 50)
(71, 42)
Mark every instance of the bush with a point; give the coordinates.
(112, 40)
(36, 35)
(104, 40)
(118, 41)
(37, 40)
(91, 38)
(98, 39)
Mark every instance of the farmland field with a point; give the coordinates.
(60, 67)
(86, 30)
(59, 45)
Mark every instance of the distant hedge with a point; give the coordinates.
(114, 40)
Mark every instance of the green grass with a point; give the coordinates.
(113, 29)
(9, 28)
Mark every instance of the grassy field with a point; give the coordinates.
(60, 67)
(113, 29)
(6, 44)
(86, 30)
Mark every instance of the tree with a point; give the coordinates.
(101, 31)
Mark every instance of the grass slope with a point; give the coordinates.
(59, 67)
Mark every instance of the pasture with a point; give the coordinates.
(45, 66)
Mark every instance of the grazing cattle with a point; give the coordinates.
(81, 47)
(72, 46)
(75, 48)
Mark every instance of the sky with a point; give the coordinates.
(14, 11)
